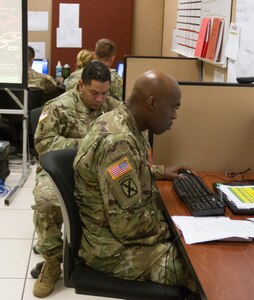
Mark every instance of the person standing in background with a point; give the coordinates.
(105, 51)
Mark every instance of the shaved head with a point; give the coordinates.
(153, 101)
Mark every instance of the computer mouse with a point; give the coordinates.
(185, 172)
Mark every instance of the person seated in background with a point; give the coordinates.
(84, 56)
(124, 232)
(105, 50)
(36, 79)
(63, 123)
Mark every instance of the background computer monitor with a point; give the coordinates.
(41, 65)
(120, 69)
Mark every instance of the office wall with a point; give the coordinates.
(43, 36)
(213, 130)
(146, 30)
(147, 27)
(175, 66)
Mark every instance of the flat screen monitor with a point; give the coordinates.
(41, 65)
(120, 69)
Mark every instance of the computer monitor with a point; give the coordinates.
(41, 65)
(120, 69)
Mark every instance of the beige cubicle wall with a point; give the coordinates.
(213, 131)
(182, 69)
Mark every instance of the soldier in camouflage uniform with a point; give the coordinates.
(35, 79)
(63, 123)
(105, 50)
(124, 232)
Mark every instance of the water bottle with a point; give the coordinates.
(66, 71)
(59, 70)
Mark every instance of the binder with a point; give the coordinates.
(203, 37)
(215, 40)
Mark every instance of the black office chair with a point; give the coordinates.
(33, 121)
(59, 165)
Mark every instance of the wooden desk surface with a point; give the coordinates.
(225, 270)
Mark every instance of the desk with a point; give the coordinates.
(224, 270)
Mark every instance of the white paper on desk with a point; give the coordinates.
(69, 37)
(204, 229)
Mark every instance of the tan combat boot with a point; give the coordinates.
(50, 272)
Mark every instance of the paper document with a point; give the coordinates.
(204, 229)
(242, 196)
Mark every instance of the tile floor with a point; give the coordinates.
(16, 239)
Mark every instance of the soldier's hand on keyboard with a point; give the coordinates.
(173, 171)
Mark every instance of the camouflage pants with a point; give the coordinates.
(170, 269)
(47, 216)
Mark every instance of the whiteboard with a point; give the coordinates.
(13, 44)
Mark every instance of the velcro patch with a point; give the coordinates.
(43, 116)
(120, 168)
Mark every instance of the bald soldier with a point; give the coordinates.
(62, 124)
(124, 232)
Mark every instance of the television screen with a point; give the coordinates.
(40, 65)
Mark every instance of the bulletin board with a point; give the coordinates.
(189, 16)
(98, 19)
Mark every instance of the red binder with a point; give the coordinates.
(203, 37)
(215, 40)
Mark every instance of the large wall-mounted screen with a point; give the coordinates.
(13, 44)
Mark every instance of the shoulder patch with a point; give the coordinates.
(43, 116)
(119, 168)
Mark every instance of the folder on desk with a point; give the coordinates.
(239, 195)
(215, 40)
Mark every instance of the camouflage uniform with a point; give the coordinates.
(63, 123)
(45, 82)
(124, 231)
(116, 86)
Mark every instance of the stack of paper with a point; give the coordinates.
(204, 229)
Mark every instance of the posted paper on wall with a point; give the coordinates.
(69, 15)
(37, 21)
(69, 37)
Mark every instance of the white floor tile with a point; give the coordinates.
(16, 224)
(22, 200)
(11, 289)
(14, 257)
(16, 240)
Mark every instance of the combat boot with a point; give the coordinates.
(50, 272)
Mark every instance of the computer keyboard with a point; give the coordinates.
(198, 198)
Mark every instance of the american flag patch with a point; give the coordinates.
(43, 116)
(119, 168)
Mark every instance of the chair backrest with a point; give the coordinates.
(59, 165)
(34, 118)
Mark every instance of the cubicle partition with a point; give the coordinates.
(182, 69)
(214, 129)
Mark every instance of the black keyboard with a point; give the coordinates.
(199, 199)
